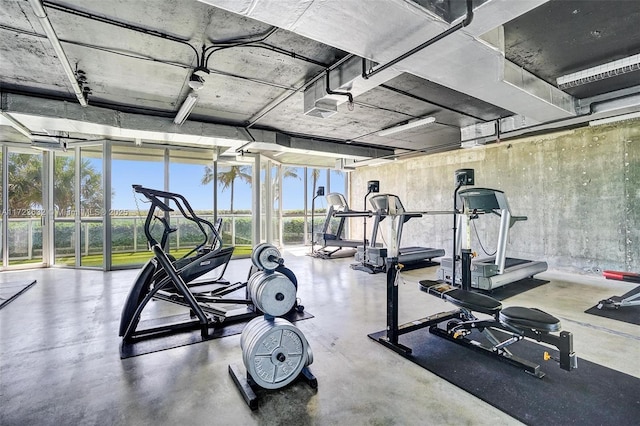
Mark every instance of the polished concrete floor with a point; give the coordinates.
(60, 359)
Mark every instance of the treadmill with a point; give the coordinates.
(385, 205)
(331, 236)
(495, 271)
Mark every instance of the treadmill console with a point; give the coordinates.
(336, 200)
(465, 177)
(483, 199)
(388, 204)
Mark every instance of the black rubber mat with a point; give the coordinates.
(589, 395)
(11, 290)
(157, 344)
(515, 288)
(630, 314)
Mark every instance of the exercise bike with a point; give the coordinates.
(166, 279)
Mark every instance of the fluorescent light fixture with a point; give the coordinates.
(372, 162)
(49, 146)
(38, 9)
(410, 125)
(16, 124)
(600, 72)
(186, 108)
(615, 119)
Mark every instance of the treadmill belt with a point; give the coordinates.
(510, 261)
(405, 250)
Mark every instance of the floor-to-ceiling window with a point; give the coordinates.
(91, 198)
(293, 205)
(64, 208)
(78, 207)
(271, 205)
(317, 209)
(129, 166)
(72, 232)
(25, 207)
(191, 175)
(234, 186)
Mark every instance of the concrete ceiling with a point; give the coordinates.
(263, 58)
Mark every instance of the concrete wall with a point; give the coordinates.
(579, 188)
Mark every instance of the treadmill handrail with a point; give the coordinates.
(354, 213)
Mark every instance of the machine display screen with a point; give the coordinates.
(482, 200)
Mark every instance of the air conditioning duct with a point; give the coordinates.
(316, 101)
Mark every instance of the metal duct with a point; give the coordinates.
(388, 28)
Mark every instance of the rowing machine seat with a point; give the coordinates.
(532, 318)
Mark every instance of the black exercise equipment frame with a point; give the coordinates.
(249, 389)
(617, 302)
(563, 342)
(203, 316)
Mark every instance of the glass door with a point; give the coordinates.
(25, 209)
(78, 231)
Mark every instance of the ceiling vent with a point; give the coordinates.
(317, 103)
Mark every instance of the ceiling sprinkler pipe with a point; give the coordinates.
(467, 20)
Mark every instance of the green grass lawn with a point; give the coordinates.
(129, 259)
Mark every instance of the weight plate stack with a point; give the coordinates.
(274, 352)
(272, 292)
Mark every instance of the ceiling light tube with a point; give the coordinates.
(614, 119)
(16, 124)
(38, 9)
(409, 125)
(186, 108)
(600, 72)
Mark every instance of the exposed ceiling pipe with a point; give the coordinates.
(39, 11)
(333, 92)
(466, 21)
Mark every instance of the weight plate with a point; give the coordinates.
(274, 352)
(272, 292)
(268, 258)
(255, 253)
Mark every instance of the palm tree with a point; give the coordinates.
(227, 178)
(25, 189)
(315, 175)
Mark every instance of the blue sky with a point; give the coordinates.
(185, 179)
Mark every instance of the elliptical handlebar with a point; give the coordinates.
(154, 195)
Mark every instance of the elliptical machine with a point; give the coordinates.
(165, 279)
